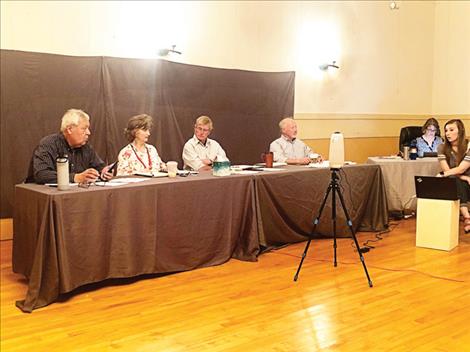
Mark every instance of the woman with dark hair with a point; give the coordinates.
(454, 157)
(430, 140)
(138, 156)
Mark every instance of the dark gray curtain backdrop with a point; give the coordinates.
(36, 90)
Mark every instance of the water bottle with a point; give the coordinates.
(406, 152)
(62, 173)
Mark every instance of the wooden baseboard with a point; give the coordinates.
(6, 229)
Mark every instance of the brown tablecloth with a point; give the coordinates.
(398, 175)
(289, 201)
(66, 239)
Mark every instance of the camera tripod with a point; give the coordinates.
(334, 187)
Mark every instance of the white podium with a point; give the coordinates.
(437, 224)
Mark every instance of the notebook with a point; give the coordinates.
(436, 187)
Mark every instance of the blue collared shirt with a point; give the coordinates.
(424, 147)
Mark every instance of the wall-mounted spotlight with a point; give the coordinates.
(325, 67)
(165, 52)
(393, 5)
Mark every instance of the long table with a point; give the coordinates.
(287, 203)
(399, 175)
(66, 239)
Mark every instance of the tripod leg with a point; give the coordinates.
(353, 235)
(315, 223)
(333, 218)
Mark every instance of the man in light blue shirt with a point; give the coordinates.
(200, 151)
(288, 148)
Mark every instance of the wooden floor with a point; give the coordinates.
(420, 302)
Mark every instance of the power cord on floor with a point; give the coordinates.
(366, 247)
(381, 268)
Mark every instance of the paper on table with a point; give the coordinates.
(271, 169)
(160, 174)
(152, 174)
(186, 172)
(124, 180)
(240, 167)
(55, 184)
(276, 164)
(324, 163)
(109, 183)
(390, 157)
(244, 172)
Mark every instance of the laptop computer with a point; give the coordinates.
(436, 187)
(429, 154)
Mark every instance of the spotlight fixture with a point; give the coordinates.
(393, 5)
(325, 67)
(165, 52)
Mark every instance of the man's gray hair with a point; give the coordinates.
(284, 121)
(72, 118)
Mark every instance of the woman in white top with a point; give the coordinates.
(138, 156)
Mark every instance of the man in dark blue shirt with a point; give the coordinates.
(84, 164)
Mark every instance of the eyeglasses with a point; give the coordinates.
(205, 130)
(87, 185)
(431, 129)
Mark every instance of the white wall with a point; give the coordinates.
(451, 84)
(391, 61)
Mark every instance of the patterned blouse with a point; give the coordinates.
(131, 161)
(424, 147)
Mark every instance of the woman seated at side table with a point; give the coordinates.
(138, 156)
(430, 140)
(454, 157)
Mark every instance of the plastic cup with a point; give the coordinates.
(172, 167)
